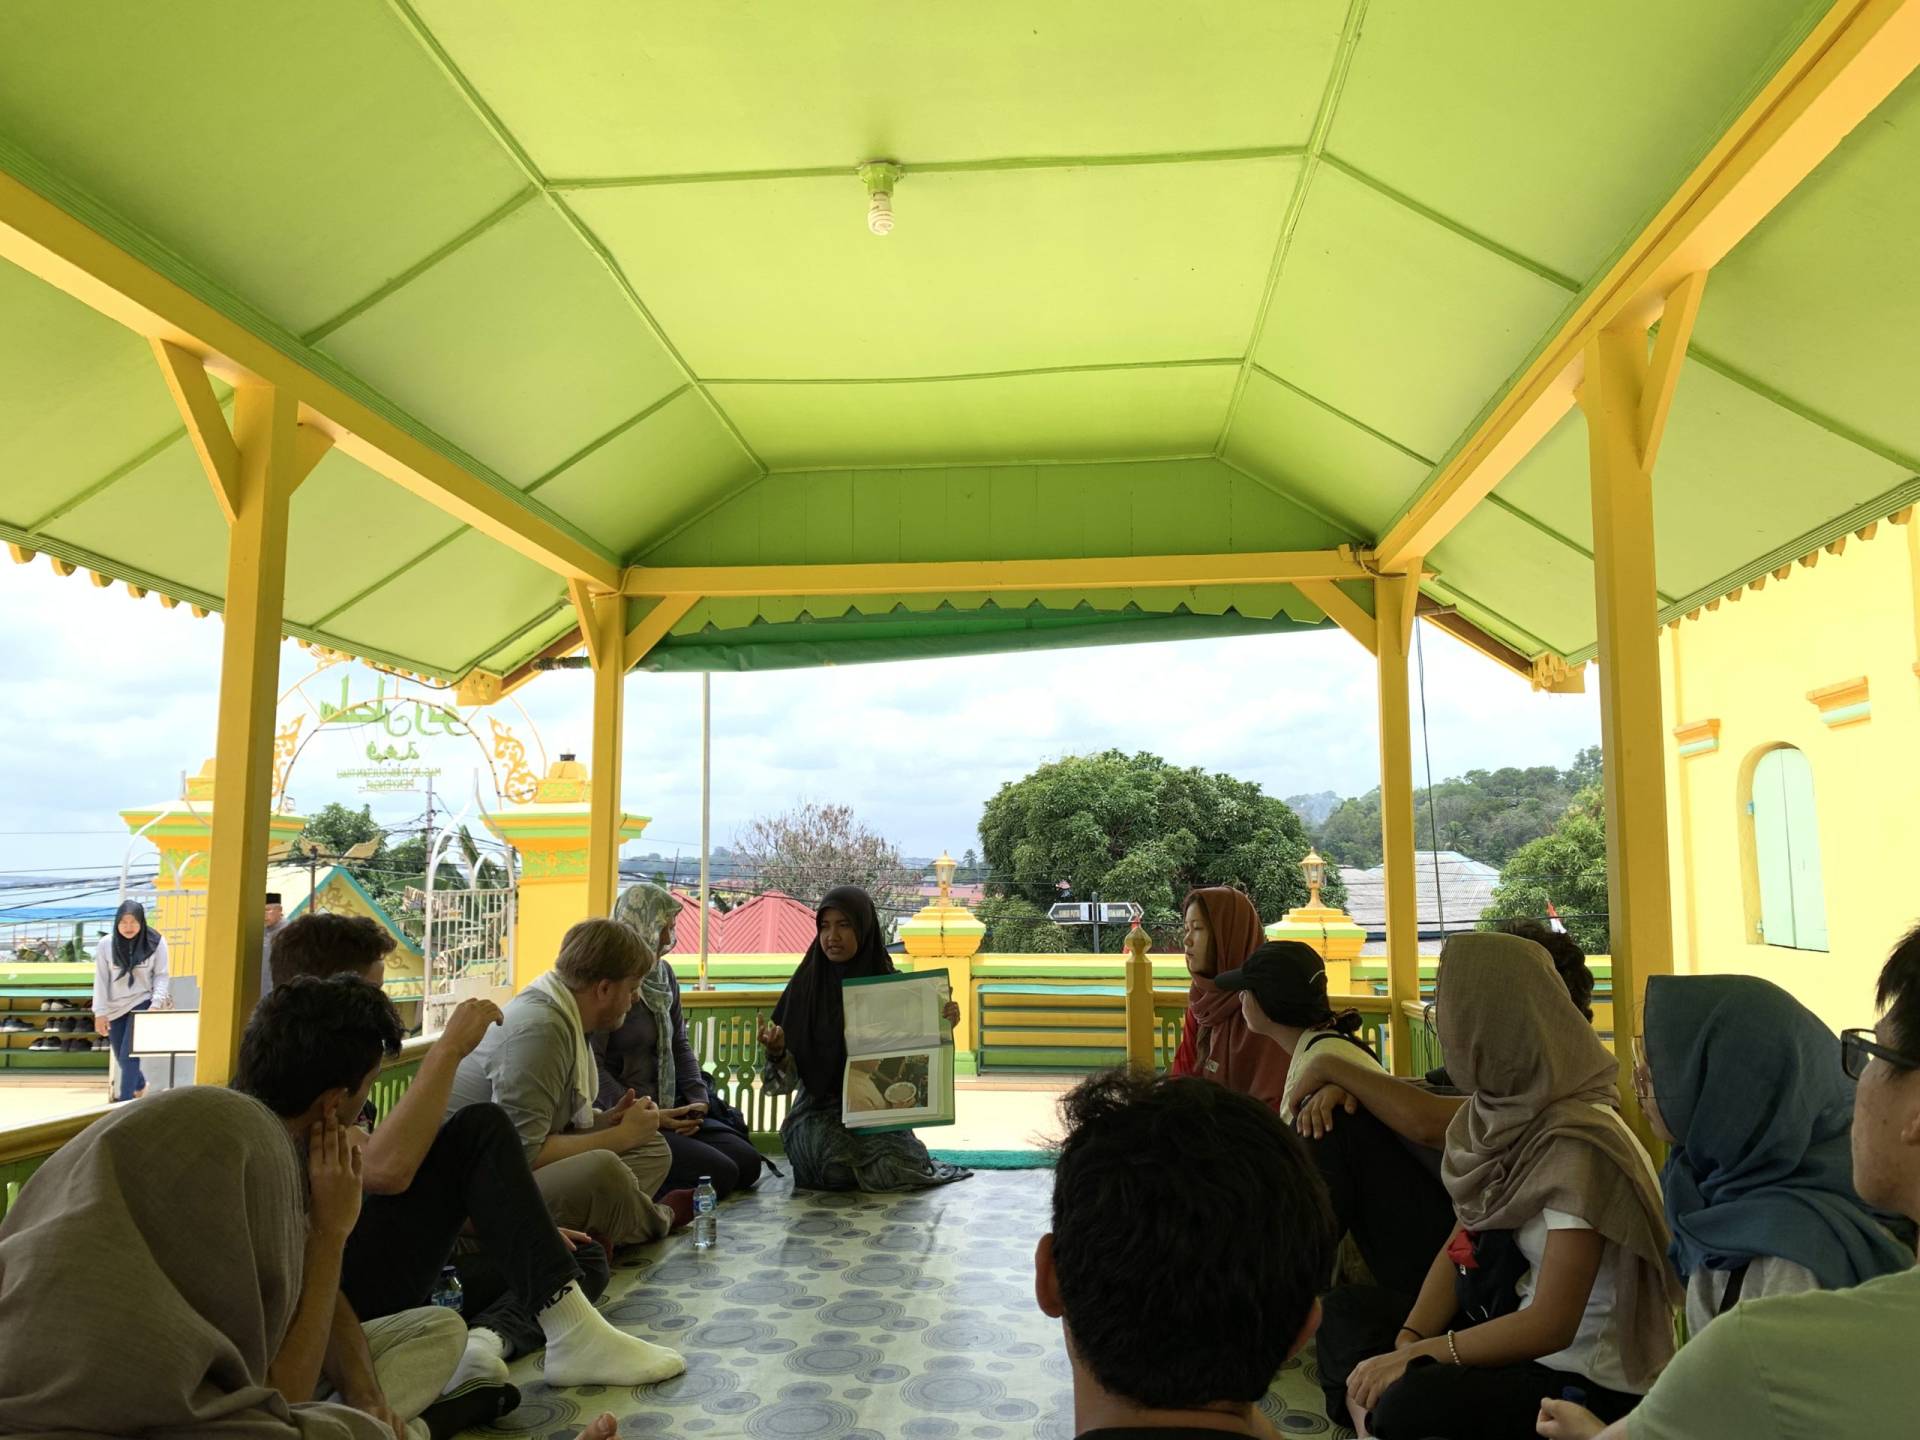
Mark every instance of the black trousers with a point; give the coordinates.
(488, 1300)
(726, 1156)
(1395, 1206)
(1433, 1401)
(475, 1170)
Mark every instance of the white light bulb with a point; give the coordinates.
(880, 212)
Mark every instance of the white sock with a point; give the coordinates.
(482, 1363)
(583, 1347)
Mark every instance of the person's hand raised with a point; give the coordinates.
(333, 1178)
(467, 1025)
(774, 1038)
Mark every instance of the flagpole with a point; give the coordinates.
(706, 813)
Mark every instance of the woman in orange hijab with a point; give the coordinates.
(1222, 930)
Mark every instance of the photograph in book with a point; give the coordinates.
(900, 1090)
(896, 1082)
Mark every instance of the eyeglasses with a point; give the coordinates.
(1858, 1047)
(1428, 1014)
(1642, 1071)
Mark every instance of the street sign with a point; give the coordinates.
(1079, 912)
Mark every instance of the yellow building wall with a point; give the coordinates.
(1750, 665)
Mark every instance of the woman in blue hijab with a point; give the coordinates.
(1744, 1083)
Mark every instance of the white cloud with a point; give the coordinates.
(105, 700)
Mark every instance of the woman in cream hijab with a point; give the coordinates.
(188, 1211)
(1556, 1276)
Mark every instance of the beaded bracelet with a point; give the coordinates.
(1453, 1349)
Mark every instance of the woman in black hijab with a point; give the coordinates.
(129, 975)
(806, 1045)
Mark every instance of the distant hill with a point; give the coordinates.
(1313, 809)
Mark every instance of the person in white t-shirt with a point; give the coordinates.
(1400, 1216)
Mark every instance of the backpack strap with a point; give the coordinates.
(1736, 1282)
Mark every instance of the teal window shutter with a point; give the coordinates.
(1786, 844)
(1803, 852)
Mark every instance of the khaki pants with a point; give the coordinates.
(415, 1353)
(610, 1194)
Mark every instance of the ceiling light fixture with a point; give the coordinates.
(879, 176)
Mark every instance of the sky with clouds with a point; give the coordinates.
(106, 700)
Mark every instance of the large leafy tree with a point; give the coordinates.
(1133, 827)
(1484, 814)
(812, 848)
(1567, 866)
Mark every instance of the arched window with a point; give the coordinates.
(1786, 852)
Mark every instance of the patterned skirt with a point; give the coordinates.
(825, 1155)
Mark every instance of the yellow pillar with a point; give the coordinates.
(1139, 1003)
(1395, 597)
(607, 652)
(264, 434)
(1639, 904)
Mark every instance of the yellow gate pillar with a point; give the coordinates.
(1626, 397)
(1394, 600)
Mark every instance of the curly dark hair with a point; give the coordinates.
(1191, 1235)
(311, 1036)
(1898, 993)
(1567, 956)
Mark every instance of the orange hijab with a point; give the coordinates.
(1227, 1052)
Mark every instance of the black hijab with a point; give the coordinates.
(128, 955)
(812, 1009)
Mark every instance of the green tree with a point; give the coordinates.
(1133, 827)
(1484, 814)
(1568, 866)
(336, 828)
(1018, 927)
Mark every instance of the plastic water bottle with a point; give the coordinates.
(706, 1224)
(448, 1292)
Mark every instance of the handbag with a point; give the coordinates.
(1488, 1266)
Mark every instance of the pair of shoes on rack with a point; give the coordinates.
(15, 1025)
(55, 1006)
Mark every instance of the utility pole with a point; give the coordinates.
(1096, 922)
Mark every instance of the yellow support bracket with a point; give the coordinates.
(1343, 610)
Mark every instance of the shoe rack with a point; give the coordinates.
(41, 1003)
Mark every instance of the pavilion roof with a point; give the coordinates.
(1165, 280)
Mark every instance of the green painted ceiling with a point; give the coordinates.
(1164, 279)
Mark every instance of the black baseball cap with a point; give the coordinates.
(273, 897)
(1288, 978)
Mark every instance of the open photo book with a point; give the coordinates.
(899, 1052)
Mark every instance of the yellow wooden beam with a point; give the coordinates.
(652, 627)
(1395, 597)
(1669, 355)
(1627, 605)
(605, 620)
(265, 422)
(908, 577)
(590, 632)
(192, 391)
(44, 240)
(1853, 59)
(20, 553)
(1343, 610)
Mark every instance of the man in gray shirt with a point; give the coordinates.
(598, 1169)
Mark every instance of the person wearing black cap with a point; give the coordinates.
(1392, 1203)
(275, 918)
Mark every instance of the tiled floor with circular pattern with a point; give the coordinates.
(853, 1317)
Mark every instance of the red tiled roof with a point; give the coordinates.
(769, 924)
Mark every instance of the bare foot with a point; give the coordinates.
(605, 1428)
